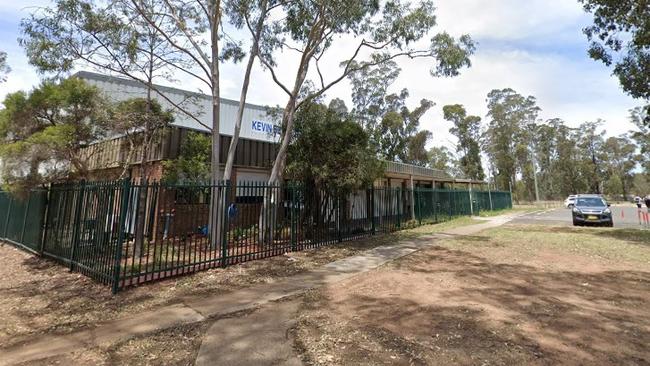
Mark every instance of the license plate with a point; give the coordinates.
(592, 217)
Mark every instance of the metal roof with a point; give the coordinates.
(161, 88)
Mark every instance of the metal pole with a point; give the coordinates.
(224, 239)
(124, 206)
(77, 224)
(292, 192)
(372, 209)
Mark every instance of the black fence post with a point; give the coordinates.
(339, 236)
(293, 217)
(124, 206)
(76, 230)
(372, 209)
(400, 202)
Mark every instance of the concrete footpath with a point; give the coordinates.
(242, 334)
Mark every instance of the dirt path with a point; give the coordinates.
(229, 341)
(262, 337)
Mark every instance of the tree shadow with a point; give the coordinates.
(506, 314)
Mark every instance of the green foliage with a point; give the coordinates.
(508, 136)
(467, 131)
(621, 159)
(619, 36)
(416, 151)
(641, 135)
(331, 150)
(142, 122)
(4, 68)
(590, 142)
(641, 184)
(441, 158)
(391, 125)
(135, 113)
(193, 162)
(42, 132)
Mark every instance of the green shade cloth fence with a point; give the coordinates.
(124, 234)
(21, 219)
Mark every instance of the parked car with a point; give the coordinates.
(570, 201)
(591, 209)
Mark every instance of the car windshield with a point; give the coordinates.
(590, 202)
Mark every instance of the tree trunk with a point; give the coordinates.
(287, 121)
(141, 188)
(216, 212)
(244, 91)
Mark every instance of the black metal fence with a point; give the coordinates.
(124, 234)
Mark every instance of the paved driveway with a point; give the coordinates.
(624, 217)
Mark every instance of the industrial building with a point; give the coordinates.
(257, 144)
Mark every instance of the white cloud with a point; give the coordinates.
(509, 19)
(535, 47)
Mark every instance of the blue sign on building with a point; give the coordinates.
(264, 127)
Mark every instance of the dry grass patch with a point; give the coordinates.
(38, 296)
(510, 295)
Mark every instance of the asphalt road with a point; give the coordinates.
(624, 217)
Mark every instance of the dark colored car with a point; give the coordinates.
(592, 210)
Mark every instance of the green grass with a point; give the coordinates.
(629, 245)
(523, 209)
(442, 226)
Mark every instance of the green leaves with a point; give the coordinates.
(193, 163)
(507, 137)
(4, 68)
(467, 131)
(43, 131)
(451, 55)
(331, 150)
(620, 36)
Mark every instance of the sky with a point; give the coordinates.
(535, 47)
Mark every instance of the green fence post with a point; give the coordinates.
(124, 206)
(11, 201)
(224, 235)
(46, 214)
(22, 231)
(77, 224)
